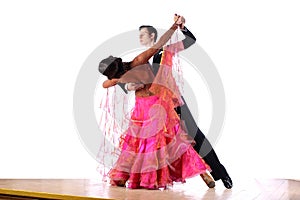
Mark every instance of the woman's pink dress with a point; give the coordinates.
(155, 150)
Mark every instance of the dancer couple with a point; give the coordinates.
(155, 149)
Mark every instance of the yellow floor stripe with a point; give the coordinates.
(24, 193)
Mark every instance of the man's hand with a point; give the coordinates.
(179, 20)
(134, 86)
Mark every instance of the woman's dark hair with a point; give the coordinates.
(112, 67)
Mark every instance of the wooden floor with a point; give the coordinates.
(192, 189)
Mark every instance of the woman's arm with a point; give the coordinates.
(109, 83)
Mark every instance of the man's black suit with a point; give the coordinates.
(218, 170)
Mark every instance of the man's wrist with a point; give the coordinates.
(184, 29)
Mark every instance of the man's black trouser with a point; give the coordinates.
(203, 146)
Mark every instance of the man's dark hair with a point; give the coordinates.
(151, 30)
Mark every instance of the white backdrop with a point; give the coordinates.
(255, 46)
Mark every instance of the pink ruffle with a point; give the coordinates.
(155, 150)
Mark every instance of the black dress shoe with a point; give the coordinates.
(227, 182)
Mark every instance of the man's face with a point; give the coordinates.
(146, 39)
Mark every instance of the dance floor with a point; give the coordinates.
(194, 188)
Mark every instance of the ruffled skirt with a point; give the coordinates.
(155, 150)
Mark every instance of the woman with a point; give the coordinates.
(155, 150)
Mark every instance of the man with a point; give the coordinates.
(147, 37)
